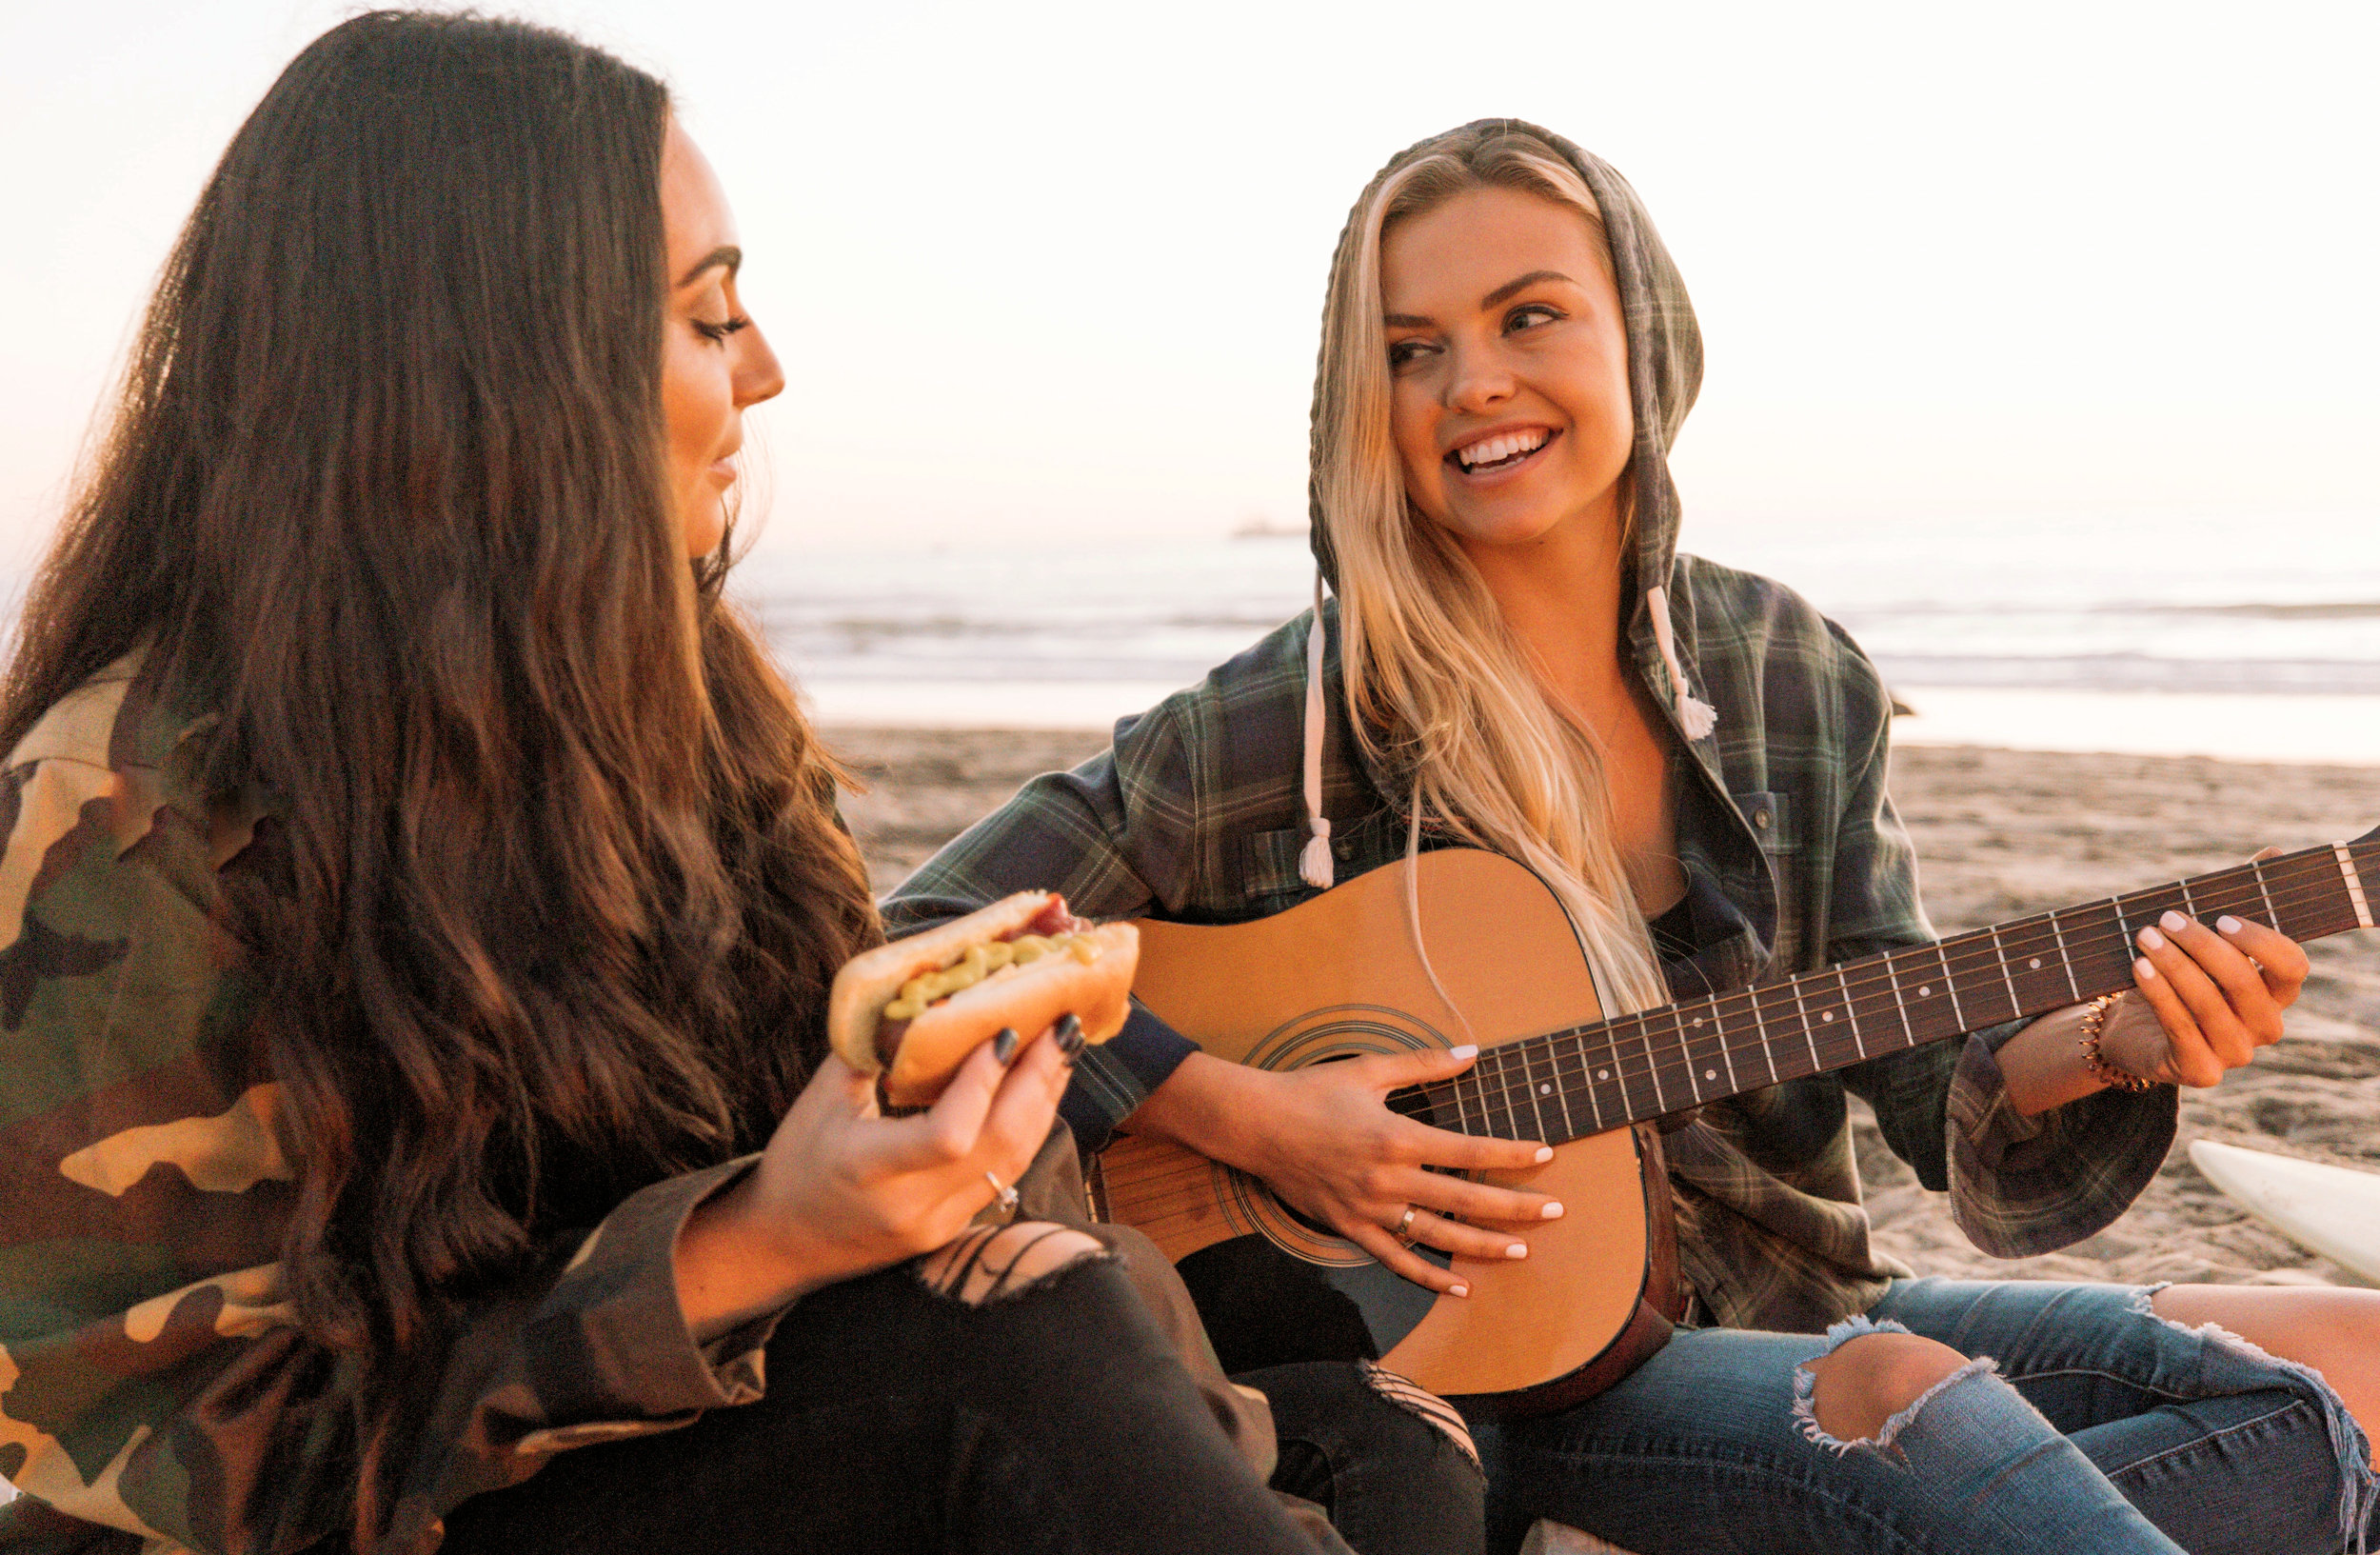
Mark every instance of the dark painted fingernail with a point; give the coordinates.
(1070, 1035)
(1004, 1045)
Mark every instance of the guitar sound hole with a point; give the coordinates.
(1319, 1229)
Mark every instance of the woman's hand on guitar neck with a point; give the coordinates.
(1323, 1138)
(2205, 997)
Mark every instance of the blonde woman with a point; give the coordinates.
(1518, 659)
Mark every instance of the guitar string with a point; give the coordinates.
(2306, 876)
(1486, 1101)
(1778, 996)
(1874, 975)
(1625, 1035)
(1507, 1093)
(1540, 1059)
(1517, 1091)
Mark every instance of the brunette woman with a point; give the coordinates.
(1519, 659)
(418, 907)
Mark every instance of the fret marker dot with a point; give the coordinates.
(2035, 964)
(1545, 1090)
(1602, 1074)
(1710, 1074)
(1697, 1020)
(1925, 990)
(1825, 1015)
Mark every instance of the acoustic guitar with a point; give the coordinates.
(1339, 976)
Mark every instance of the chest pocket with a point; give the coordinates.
(1770, 817)
(1268, 860)
(1776, 827)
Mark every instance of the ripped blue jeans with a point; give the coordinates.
(2098, 1429)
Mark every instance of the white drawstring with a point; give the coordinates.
(1695, 716)
(1314, 863)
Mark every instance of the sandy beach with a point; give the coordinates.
(2002, 835)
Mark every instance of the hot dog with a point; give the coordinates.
(914, 1009)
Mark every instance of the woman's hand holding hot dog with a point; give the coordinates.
(1325, 1141)
(932, 1019)
(842, 1190)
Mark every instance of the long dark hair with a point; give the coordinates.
(552, 884)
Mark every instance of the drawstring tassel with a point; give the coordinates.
(1314, 861)
(1695, 716)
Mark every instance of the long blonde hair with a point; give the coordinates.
(1437, 679)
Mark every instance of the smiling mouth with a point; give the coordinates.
(1505, 450)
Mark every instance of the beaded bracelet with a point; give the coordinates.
(2095, 1023)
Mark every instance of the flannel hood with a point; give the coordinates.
(1664, 350)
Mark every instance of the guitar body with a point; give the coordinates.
(1338, 977)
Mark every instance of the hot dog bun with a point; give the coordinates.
(1029, 998)
(870, 980)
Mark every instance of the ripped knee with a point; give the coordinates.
(1872, 1383)
(991, 1262)
(1423, 1404)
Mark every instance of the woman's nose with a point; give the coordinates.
(759, 375)
(1480, 380)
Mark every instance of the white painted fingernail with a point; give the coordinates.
(2174, 923)
(1518, 1250)
(1545, 1153)
(2144, 971)
(2150, 940)
(2228, 924)
(1466, 1050)
(1551, 1211)
(1458, 1290)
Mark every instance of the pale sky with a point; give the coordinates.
(1054, 271)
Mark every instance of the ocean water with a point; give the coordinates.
(2142, 630)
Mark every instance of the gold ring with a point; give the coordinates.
(1006, 1196)
(1404, 1226)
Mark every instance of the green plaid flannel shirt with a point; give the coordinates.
(1795, 859)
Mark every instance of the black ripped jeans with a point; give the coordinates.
(1053, 1420)
(1391, 1481)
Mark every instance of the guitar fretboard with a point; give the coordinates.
(1585, 1079)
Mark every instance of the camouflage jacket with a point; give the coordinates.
(1795, 859)
(155, 1392)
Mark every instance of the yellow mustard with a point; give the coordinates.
(980, 962)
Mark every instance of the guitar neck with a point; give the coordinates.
(1586, 1079)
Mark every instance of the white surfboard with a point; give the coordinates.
(2332, 1210)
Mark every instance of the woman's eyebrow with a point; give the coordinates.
(727, 254)
(1502, 294)
(1509, 287)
